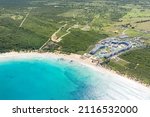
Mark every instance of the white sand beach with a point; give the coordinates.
(110, 85)
(74, 57)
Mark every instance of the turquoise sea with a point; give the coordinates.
(56, 79)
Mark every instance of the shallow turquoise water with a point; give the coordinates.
(43, 79)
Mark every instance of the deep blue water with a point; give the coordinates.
(43, 79)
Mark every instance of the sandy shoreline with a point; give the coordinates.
(77, 58)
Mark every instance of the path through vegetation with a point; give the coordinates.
(25, 18)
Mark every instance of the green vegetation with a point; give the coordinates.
(14, 38)
(63, 31)
(137, 66)
(43, 18)
(47, 16)
(78, 41)
(133, 33)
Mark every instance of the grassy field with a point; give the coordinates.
(137, 66)
(46, 17)
(134, 33)
(63, 31)
(78, 41)
(19, 39)
(144, 26)
(35, 31)
(136, 14)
